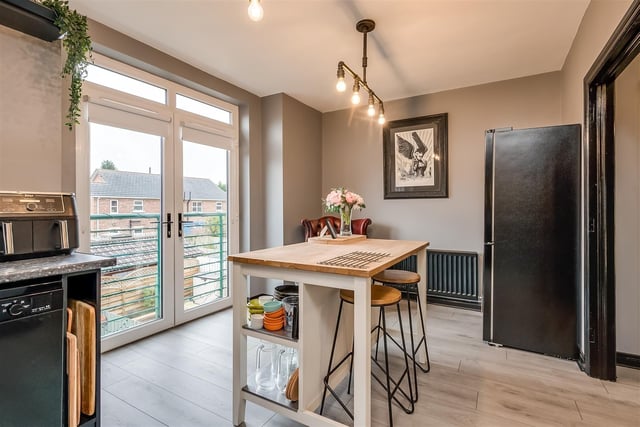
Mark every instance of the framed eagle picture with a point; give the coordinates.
(415, 158)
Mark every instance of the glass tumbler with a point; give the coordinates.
(290, 305)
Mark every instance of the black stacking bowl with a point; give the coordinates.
(283, 291)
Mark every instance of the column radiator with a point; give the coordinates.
(452, 277)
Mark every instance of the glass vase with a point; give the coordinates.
(345, 221)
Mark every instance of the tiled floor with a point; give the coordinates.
(182, 378)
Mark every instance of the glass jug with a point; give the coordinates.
(266, 366)
(287, 363)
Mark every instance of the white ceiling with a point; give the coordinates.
(418, 46)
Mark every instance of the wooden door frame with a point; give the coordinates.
(599, 87)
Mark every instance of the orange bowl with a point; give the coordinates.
(275, 327)
(275, 314)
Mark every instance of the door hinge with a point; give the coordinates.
(592, 225)
(592, 336)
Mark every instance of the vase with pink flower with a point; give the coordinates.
(344, 201)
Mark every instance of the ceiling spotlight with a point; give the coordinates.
(364, 26)
(255, 10)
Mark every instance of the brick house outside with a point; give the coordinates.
(137, 195)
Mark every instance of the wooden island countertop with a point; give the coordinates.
(309, 256)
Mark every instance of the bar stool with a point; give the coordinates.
(407, 283)
(381, 297)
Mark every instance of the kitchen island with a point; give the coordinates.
(320, 270)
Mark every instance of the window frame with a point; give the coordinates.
(141, 205)
(195, 203)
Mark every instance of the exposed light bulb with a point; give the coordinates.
(255, 10)
(381, 118)
(371, 111)
(355, 98)
(341, 85)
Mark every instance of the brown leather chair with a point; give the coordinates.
(312, 227)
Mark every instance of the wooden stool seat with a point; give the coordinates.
(380, 296)
(397, 277)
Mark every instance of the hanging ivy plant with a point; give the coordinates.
(77, 44)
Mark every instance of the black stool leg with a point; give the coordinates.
(386, 365)
(333, 348)
(424, 339)
(378, 333)
(413, 348)
(406, 363)
(350, 369)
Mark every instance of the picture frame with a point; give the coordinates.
(416, 158)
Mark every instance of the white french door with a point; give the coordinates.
(161, 197)
(208, 170)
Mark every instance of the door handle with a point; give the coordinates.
(489, 243)
(180, 222)
(168, 222)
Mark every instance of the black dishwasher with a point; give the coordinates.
(32, 353)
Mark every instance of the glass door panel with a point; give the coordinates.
(204, 230)
(126, 188)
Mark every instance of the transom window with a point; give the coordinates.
(113, 80)
(203, 109)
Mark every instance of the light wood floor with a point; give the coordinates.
(182, 378)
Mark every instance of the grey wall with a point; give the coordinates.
(352, 156)
(627, 209)
(598, 23)
(292, 167)
(30, 113)
(302, 130)
(272, 165)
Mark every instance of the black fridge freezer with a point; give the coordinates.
(532, 239)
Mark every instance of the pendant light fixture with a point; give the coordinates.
(255, 10)
(364, 26)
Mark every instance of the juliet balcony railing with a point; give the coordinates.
(131, 291)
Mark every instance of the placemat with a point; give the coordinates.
(358, 259)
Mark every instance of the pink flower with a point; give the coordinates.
(334, 198)
(341, 198)
(351, 198)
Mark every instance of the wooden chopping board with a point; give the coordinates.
(83, 326)
(73, 396)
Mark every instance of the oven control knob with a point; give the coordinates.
(18, 309)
